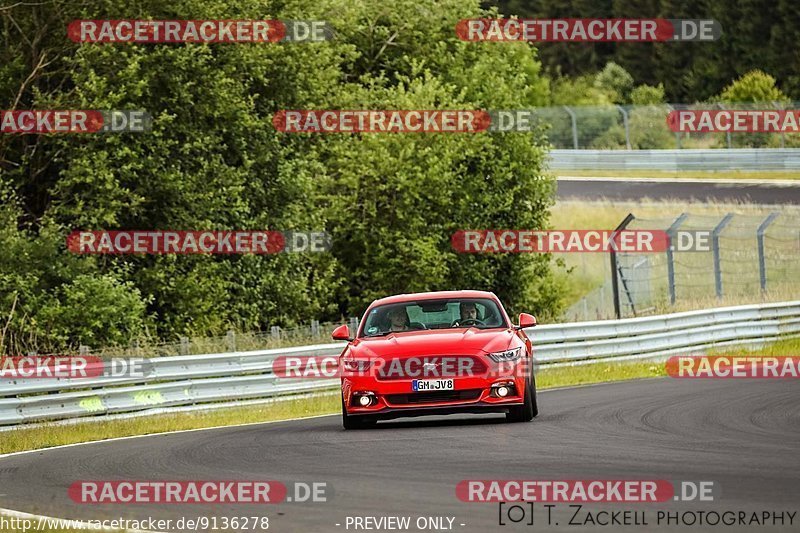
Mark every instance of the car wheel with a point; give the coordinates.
(528, 410)
(356, 421)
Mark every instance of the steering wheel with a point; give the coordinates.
(469, 322)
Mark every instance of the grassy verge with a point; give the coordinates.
(34, 438)
(46, 436)
(685, 174)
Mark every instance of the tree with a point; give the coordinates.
(615, 80)
(214, 161)
(755, 86)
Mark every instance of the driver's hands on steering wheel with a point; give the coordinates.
(468, 322)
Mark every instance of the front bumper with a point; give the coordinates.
(395, 398)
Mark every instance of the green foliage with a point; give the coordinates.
(214, 161)
(755, 34)
(648, 95)
(95, 309)
(755, 86)
(616, 81)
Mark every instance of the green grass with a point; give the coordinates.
(547, 378)
(685, 174)
(47, 436)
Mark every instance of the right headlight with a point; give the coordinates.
(507, 355)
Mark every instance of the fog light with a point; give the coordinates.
(502, 391)
(365, 401)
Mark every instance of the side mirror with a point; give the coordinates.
(342, 333)
(526, 321)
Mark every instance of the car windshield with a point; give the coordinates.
(480, 313)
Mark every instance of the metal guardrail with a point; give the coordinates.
(673, 160)
(195, 380)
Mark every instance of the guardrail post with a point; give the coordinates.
(184, 345)
(230, 339)
(276, 332)
(574, 127)
(762, 262)
(83, 350)
(671, 259)
(715, 249)
(315, 328)
(625, 124)
(615, 267)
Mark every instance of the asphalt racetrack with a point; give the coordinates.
(779, 192)
(742, 434)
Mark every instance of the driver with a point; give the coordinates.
(469, 314)
(469, 311)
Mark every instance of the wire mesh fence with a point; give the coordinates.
(731, 258)
(644, 127)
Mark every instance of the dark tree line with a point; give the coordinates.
(757, 34)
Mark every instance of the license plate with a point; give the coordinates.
(420, 385)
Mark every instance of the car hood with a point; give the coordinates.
(470, 341)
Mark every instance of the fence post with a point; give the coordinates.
(727, 133)
(315, 328)
(184, 345)
(276, 332)
(715, 249)
(762, 263)
(353, 325)
(625, 124)
(677, 133)
(783, 136)
(574, 127)
(671, 259)
(83, 350)
(230, 338)
(614, 267)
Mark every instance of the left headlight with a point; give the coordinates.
(507, 355)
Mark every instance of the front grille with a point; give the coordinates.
(413, 367)
(433, 396)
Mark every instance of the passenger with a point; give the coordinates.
(398, 319)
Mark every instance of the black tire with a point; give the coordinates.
(528, 410)
(356, 421)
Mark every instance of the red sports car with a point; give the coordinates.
(436, 353)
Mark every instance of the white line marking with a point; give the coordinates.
(720, 181)
(83, 525)
(246, 424)
(19, 514)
